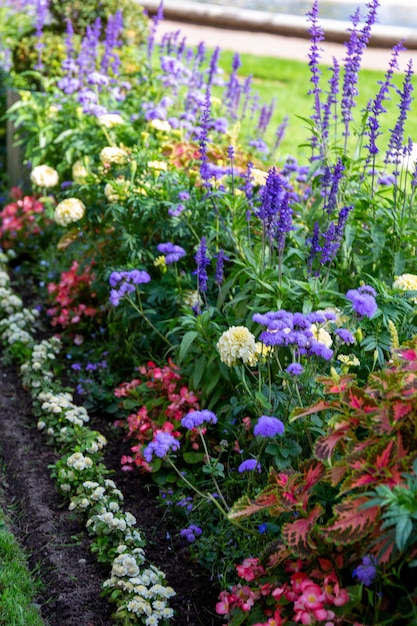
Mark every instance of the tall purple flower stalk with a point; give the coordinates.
(324, 246)
(202, 261)
(314, 55)
(155, 21)
(41, 9)
(203, 139)
(395, 146)
(335, 178)
(355, 48)
(111, 42)
(330, 104)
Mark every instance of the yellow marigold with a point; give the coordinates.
(44, 176)
(237, 343)
(160, 261)
(113, 155)
(108, 120)
(69, 210)
(79, 172)
(406, 282)
(321, 335)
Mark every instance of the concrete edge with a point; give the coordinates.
(273, 23)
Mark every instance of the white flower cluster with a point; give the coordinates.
(62, 403)
(13, 327)
(92, 494)
(9, 302)
(38, 372)
(146, 596)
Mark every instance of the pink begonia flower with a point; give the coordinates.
(250, 569)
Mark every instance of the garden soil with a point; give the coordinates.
(55, 538)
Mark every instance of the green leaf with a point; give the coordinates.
(186, 342)
(193, 457)
(403, 530)
(198, 372)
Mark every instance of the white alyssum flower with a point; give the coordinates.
(44, 176)
(68, 211)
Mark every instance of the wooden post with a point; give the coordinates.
(16, 172)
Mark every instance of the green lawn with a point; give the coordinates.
(289, 82)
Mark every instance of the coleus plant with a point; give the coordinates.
(327, 508)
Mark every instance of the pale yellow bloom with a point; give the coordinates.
(44, 176)
(237, 343)
(108, 120)
(406, 282)
(321, 335)
(259, 176)
(158, 165)
(192, 298)
(161, 125)
(69, 210)
(116, 190)
(349, 359)
(113, 155)
(262, 350)
(79, 172)
(160, 261)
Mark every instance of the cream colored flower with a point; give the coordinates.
(321, 335)
(349, 359)
(237, 343)
(108, 120)
(116, 190)
(192, 298)
(262, 350)
(79, 172)
(69, 210)
(113, 155)
(161, 125)
(160, 166)
(406, 282)
(44, 176)
(259, 176)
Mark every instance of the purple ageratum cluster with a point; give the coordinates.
(294, 330)
(363, 301)
(366, 572)
(171, 252)
(268, 426)
(191, 532)
(162, 444)
(250, 465)
(125, 282)
(195, 419)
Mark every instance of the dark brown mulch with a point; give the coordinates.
(55, 538)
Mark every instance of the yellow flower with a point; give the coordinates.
(69, 210)
(160, 261)
(44, 176)
(237, 343)
(349, 359)
(262, 350)
(113, 155)
(406, 282)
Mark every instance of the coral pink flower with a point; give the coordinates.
(250, 569)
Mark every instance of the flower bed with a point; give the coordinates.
(247, 321)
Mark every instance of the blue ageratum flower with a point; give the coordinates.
(160, 446)
(363, 301)
(268, 426)
(366, 572)
(295, 369)
(172, 252)
(195, 419)
(250, 465)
